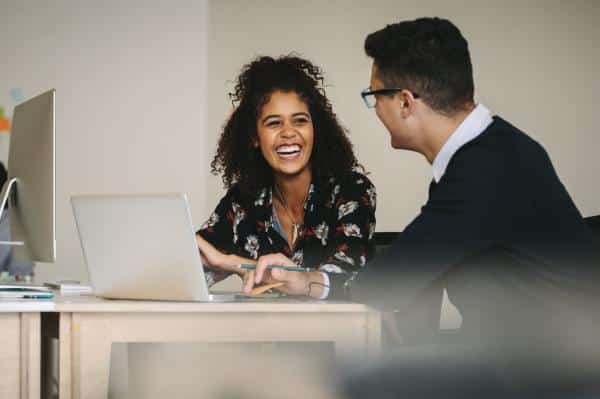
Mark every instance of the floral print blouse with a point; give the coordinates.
(336, 237)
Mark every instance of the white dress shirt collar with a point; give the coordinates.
(473, 125)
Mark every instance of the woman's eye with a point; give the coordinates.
(273, 123)
(300, 121)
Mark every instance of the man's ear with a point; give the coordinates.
(408, 102)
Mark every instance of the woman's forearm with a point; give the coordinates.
(235, 261)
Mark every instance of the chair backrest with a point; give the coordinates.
(593, 222)
(384, 240)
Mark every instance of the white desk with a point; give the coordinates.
(20, 348)
(87, 326)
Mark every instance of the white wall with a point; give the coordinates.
(131, 98)
(535, 64)
(132, 93)
(132, 89)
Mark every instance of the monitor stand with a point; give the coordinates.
(5, 193)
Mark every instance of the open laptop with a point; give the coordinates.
(141, 247)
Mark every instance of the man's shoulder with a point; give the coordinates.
(501, 135)
(503, 158)
(502, 145)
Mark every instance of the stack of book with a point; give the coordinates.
(67, 287)
(24, 291)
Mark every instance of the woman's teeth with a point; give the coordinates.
(288, 149)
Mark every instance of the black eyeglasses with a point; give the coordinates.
(370, 99)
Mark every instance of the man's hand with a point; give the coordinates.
(295, 283)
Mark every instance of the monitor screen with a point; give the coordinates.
(31, 179)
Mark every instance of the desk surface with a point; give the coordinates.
(89, 303)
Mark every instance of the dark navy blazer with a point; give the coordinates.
(499, 231)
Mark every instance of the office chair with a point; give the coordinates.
(384, 240)
(593, 222)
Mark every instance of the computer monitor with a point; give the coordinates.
(29, 188)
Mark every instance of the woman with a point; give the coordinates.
(290, 173)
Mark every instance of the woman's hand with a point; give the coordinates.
(214, 259)
(295, 283)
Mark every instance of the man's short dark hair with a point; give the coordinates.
(428, 56)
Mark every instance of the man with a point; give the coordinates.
(499, 230)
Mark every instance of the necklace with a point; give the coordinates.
(296, 227)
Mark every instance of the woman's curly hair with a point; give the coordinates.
(241, 163)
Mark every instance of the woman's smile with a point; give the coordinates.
(285, 133)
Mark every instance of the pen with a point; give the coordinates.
(292, 268)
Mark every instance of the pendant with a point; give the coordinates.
(295, 233)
